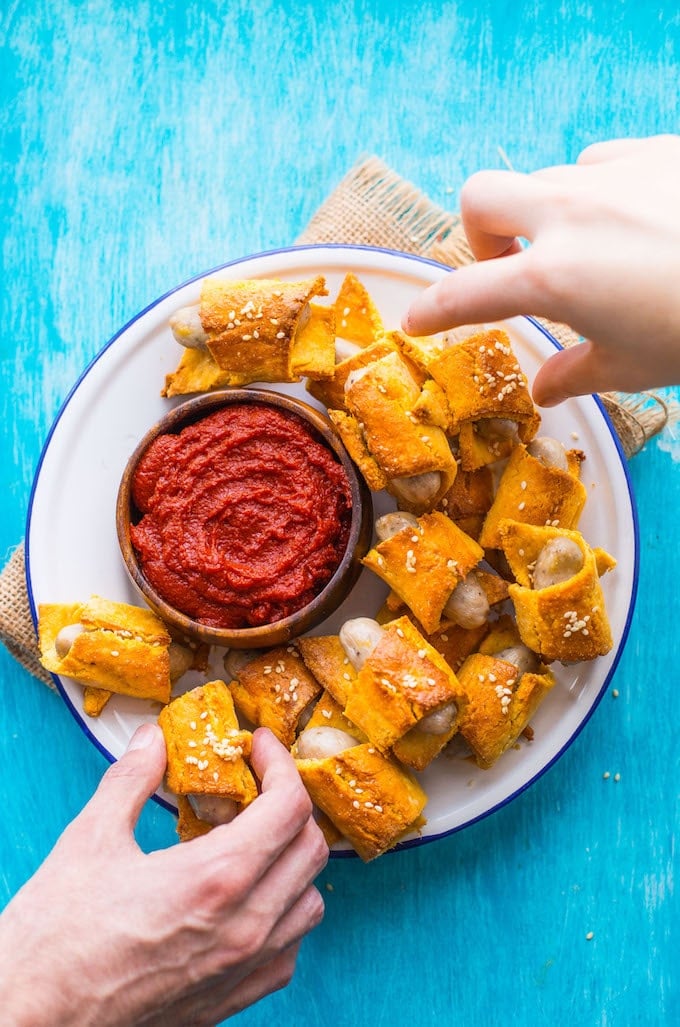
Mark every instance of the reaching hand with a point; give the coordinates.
(604, 258)
(105, 934)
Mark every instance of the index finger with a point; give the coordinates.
(274, 819)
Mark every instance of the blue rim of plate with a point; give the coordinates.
(414, 842)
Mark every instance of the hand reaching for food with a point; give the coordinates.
(242, 899)
(605, 237)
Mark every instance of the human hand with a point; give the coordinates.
(605, 259)
(104, 934)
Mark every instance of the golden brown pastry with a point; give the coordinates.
(253, 330)
(558, 597)
(328, 663)
(501, 700)
(331, 391)
(273, 690)
(371, 800)
(484, 391)
(112, 646)
(412, 461)
(423, 564)
(207, 754)
(469, 499)
(356, 316)
(453, 642)
(403, 683)
(531, 492)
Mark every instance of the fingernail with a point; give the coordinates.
(142, 738)
(549, 399)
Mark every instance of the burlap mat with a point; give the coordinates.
(371, 206)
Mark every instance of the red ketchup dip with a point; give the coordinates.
(245, 516)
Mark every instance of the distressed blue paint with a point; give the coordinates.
(143, 143)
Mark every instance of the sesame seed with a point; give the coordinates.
(617, 777)
(192, 725)
(356, 804)
(280, 335)
(523, 485)
(377, 808)
(615, 693)
(327, 714)
(422, 653)
(114, 652)
(204, 714)
(606, 775)
(589, 936)
(400, 633)
(520, 506)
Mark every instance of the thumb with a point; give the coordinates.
(577, 371)
(129, 782)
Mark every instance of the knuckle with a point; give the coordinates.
(318, 848)
(285, 970)
(474, 191)
(253, 936)
(316, 907)
(298, 799)
(551, 277)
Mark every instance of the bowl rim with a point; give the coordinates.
(278, 632)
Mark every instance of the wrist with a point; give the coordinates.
(30, 993)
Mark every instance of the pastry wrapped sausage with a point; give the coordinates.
(536, 491)
(252, 330)
(331, 391)
(557, 595)
(424, 562)
(412, 461)
(112, 647)
(403, 685)
(505, 684)
(273, 690)
(371, 800)
(484, 392)
(329, 664)
(207, 754)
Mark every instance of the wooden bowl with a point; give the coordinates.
(331, 595)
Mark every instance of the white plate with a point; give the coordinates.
(72, 549)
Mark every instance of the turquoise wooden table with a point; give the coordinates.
(143, 144)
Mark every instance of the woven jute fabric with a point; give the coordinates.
(372, 206)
